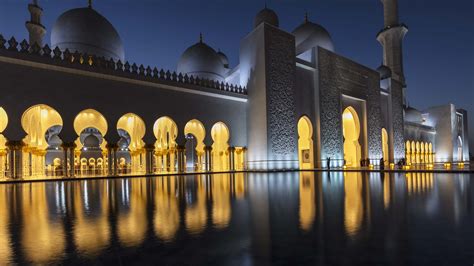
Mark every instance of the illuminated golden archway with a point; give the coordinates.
(220, 154)
(166, 132)
(135, 127)
(35, 121)
(385, 151)
(86, 120)
(196, 129)
(408, 152)
(3, 142)
(305, 143)
(351, 132)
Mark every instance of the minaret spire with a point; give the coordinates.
(35, 29)
(391, 38)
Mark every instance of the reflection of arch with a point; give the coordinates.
(305, 143)
(166, 132)
(460, 150)
(351, 132)
(220, 135)
(196, 129)
(135, 128)
(385, 151)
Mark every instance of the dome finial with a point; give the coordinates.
(200, 37)
(90, 3)
(306, 19)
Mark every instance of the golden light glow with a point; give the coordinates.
(385, 151)
(166, 132)
(220, 154)
(132, 226)
(196, 214)
(307, 200)
(42, 238)
(351, 132)
(353, 204)
(196, 128)
(135, 127)
(221, 208)
(167, 217)
(305, 143)
(35, 121)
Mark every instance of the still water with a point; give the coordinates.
(242, 219)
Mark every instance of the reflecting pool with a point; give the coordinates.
(250, 219)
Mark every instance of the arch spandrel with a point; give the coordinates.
(90, 118)
(135, 127)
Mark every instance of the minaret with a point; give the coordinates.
(34, 26)
(391, 37)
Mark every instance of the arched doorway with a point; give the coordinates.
(91, 127)
(195, 134)
(408, 152)
(351, 133)
(135, 128)
(385, 151)
(220, 154)
(166, 132)
(305, 143)
(460, 150)
(3, 142)
(36, 121)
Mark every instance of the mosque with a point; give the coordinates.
(76, 106)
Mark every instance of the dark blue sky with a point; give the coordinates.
(438, 50)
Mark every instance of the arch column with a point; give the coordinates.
(149, 162)
(181, 158)
(15, 153)
(208, 158)
(231, 158)
(112, 158)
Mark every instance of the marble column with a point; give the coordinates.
(149, 162)
(15, 154)
(181, 159)
(231, 158)
(208, 158)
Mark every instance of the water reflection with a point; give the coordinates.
(258, 218)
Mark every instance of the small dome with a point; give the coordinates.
(55, 141)
(310, 35)
(224, 59)
(384, 72)
(91, 141)
(87, 31)
(268, 16)
(202, 61)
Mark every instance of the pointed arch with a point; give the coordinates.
(135, 129)
(195, 132)
(166, 132)
(220, 155)
(305, 143)
(351, 133)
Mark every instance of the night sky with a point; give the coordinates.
(438, 50)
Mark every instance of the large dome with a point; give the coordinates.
(311, 35)
(268, 16)
(202, 61)
(87, 31)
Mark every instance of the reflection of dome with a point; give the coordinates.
(202, 61)
(224, 59)
(91, 141)
(268, 16)
(311, 35)
(87, 31)
(384, 72)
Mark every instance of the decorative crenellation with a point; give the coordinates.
(91, 62)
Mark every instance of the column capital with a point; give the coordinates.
(111, 146)
(231, 149)
(15, 144)
(208, 148)
(149, 147)
(180, 147)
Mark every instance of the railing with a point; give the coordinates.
(94, 63)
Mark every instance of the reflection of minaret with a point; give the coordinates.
(391, 38)
(34, 26)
